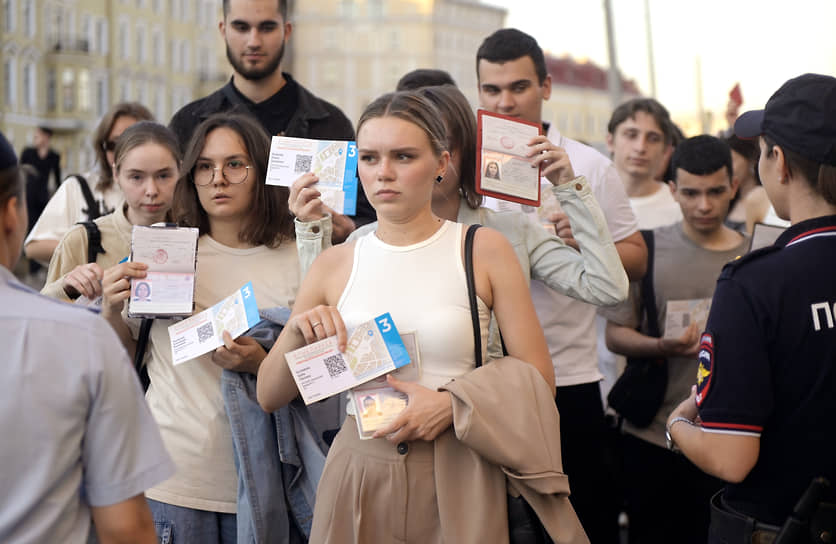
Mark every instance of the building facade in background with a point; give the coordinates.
(580, 101)
(349, 52)
(66, 62)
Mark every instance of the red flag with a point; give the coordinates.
(735, 95)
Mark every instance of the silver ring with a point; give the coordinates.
(313, 325)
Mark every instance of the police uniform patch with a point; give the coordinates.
(706, 360)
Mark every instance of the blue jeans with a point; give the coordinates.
(179, 525)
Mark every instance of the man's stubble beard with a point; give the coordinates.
(255, 74)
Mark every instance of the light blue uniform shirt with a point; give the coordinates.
(75, 430)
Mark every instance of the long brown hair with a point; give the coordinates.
(461, 135)
(270, 221)
(123, 109)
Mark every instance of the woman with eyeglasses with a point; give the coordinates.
(68, 205)
(246, 235)
(146, 166)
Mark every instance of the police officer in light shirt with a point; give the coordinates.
(761, 416)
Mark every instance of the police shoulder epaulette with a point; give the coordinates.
(731, 267)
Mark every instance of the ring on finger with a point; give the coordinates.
(314, 325)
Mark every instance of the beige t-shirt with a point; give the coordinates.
(186, 399)
(115, 231)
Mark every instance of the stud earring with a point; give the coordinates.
(438, 179)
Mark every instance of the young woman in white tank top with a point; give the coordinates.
(411, 266)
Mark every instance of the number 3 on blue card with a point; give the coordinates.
(383, 323)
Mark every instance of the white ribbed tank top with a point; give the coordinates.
(423, 286)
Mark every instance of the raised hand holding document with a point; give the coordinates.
(504, 171)
(333, 161)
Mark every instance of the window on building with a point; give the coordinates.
(101, 96)
(140, 44)
(142, 93)
(30, 88)
(68, 90)
(175, 56)
(124, 91)
(329, 37)
(124, 37)
(157, 47)
(84, 90)
(10, 81)
(29, 17)
(376, 8)
(346, 8)
(86, 32)
(101, 36)
(68, 31)
(185, 56)
(159, 103)
(9, 15)
(51, 90)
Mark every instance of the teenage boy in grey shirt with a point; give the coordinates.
(667, 495)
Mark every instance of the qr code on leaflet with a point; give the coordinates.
(303, 164)
(205, 332)
(335, 365)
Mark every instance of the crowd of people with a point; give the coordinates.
(563, 391)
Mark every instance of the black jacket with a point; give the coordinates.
(314, 118)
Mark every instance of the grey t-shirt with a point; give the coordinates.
(75, 429)
(682, 270)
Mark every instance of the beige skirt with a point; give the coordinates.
(376, 491)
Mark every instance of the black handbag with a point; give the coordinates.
(524, 527)
(639, 392)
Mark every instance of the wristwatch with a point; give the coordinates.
(668, 438)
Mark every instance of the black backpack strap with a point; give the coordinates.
(94, 240)
(648, 296)
(471, 292)
(139, 354)
(92, 209)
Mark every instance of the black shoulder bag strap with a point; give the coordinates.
(139, 354)
(94, 240)
(471, 292)
(92, 209)
(648, 298)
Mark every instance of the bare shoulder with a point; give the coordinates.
(330, 271)
(490, 243)
(336, 255)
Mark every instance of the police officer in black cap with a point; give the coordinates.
(763, 413)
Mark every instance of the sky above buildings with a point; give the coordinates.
(759, 43)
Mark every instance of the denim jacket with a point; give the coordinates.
(279, 456)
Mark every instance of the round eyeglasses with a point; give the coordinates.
(233, 171)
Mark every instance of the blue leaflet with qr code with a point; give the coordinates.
(373, 349)
(203, 332)
(334, 162)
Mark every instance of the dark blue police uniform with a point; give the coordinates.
(768, 366)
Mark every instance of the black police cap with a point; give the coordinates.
(800, 116)
(8, 157)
